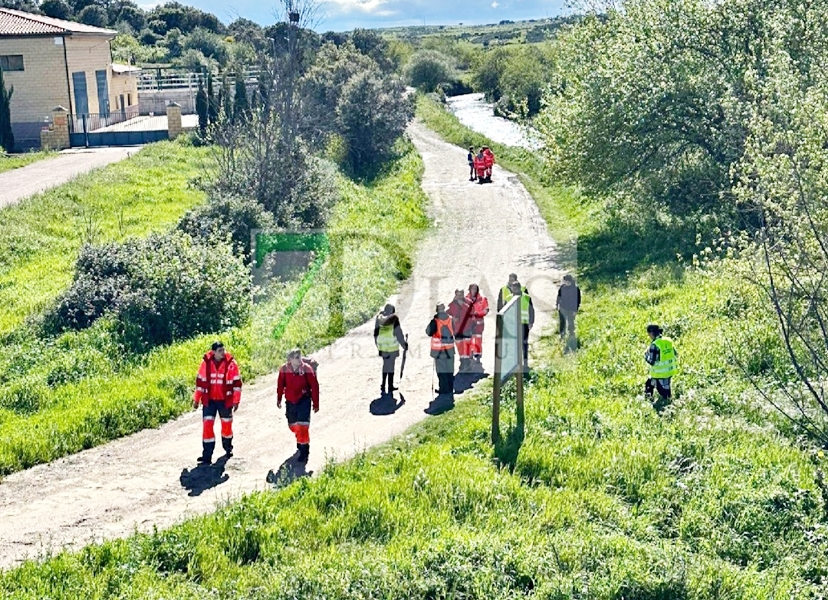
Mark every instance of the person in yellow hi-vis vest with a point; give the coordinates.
(388, 336)
(663, 360)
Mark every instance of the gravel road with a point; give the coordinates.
(17, 184)
(481, 234)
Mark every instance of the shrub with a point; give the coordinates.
(232, 219)
(428, 69)
(373, 113)
(159, 289)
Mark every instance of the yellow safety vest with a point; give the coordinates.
(667, 365)
(525, 299)
(386, 340)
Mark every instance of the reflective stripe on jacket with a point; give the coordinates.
(667, 364)
(386, 340)
(443, 337)
(218, 381)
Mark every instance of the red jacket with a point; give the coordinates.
(479, 309)
(294, 385)
(488, 158)
(218, 381)
(461, 318)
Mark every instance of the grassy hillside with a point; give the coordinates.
(600, 499)
(78, 390)
(43, 234)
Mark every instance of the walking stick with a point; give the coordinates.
(405, 354)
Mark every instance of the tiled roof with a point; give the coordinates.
(17, 23)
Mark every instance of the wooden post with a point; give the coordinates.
(521, 360)
(497, 380)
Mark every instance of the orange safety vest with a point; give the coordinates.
(438, 340)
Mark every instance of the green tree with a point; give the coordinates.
(212, 102)
(202, 107)
(322, 87)
(94, 15)
(373, 113)
(6, 134)
(57, 9)
(240, 103)
(428, 69)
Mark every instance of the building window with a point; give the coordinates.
(11, 62)
(129, 99)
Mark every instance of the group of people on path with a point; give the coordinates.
(481, 164)
(456, 329)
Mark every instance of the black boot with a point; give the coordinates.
(227, 444)
(304, 451)
(382, 387)
(391, 388)
(206, 453)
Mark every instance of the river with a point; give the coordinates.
(475, 113)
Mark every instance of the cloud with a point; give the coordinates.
(495, 4)
(366, 6)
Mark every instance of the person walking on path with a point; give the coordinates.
(472, 170)
(442, 348)
(505, 293)
(298, 385)
(568, 304)
(218, 391)
(488, 162)
(527, 317)
(460, 311)
(388, 336)
(663, 360)
(479, 309)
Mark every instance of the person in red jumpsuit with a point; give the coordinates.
(298, 385)
(218, 391)
(479, 309)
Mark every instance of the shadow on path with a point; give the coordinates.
(289, 471)
(386, 405)
(204, 477)
(465, 381)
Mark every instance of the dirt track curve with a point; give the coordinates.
(481, 234)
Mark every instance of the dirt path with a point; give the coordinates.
(17, 184)
(482, 234)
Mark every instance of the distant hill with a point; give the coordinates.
(504, 32)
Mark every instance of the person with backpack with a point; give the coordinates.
(218, 392)
(298, 385)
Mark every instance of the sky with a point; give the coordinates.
(344, 15)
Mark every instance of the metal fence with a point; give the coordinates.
(92, 122)
(156, 80)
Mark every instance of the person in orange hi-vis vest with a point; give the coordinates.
(298, 385)
(479, 310)
(218, 392)
(441, 331)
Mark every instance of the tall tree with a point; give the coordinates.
(212, 102)
(6, 135)
(202, 107)
(240, 103)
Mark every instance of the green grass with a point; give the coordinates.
(63, 395)
(9, 162)
(42, 235)
(600, 498)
